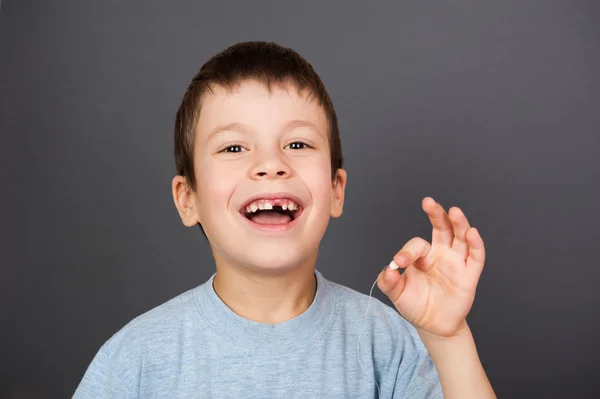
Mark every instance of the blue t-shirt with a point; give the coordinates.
(194, 346)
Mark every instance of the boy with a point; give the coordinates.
(259, 167)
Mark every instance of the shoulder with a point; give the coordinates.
(383, 323)
(152, 329)
(394, 344)
(115, 370)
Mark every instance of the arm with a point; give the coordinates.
(458, 366)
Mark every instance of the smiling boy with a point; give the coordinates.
(259, 168)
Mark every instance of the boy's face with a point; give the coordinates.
(267, 150)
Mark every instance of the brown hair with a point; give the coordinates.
(266, 62)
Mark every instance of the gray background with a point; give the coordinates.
(490, 106)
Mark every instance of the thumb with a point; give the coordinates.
(391, 282)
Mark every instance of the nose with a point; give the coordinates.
(270, 164)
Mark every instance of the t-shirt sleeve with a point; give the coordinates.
(418, 379)
(101, 381)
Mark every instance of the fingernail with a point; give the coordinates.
(393, 265)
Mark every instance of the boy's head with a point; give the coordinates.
(256, 129)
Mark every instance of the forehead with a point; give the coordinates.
(251, 103)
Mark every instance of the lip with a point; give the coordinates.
(272, 196)
(274, 228)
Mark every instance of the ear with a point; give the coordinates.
(338, 189)
(185, 201)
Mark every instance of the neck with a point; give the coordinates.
(266, 298)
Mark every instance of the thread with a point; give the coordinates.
(362, 332)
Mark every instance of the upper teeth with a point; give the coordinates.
(268, 204)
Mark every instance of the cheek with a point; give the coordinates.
(317, 177)
(217, 183)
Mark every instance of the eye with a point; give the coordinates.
(297, 145)
(233, 148)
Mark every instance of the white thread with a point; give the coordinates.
(364, 328)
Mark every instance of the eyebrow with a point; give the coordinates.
(243, 128)
(230, 126)
(300, 123)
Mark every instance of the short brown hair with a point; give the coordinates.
(266, 62)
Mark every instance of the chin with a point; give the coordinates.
(274, 258)
(267, 252)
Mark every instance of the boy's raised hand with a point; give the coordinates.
(437, 289)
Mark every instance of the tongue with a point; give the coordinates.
(266, 217)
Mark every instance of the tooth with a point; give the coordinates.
(253, 207)
(268, 206)
(248, 209)
(292, 206)
(261, 206)
(284, 206)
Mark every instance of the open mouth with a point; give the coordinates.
(279, 211)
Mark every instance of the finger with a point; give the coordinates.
(476, 258)
(391, 283)
(443, 231)
(413, 252)
(460, 224)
